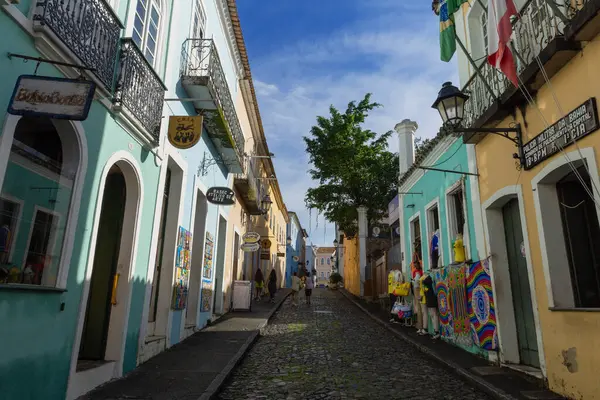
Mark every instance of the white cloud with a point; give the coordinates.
(394, 57)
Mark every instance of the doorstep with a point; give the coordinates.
(498, 381)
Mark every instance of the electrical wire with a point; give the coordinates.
(445, 160)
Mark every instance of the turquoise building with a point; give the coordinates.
(78, 190)
(437, 190)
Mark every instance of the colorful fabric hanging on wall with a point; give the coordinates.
(450, 284)
(482, 313)
(182, 270)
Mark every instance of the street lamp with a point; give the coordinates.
(266, 204)
(289, 241)
(335, 243)
(450, 103)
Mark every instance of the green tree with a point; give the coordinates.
(421, 146)
(352, 166)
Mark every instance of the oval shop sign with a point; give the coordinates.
(251, 237)
(250, 247)
(222, 196)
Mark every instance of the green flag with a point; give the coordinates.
(446, 11)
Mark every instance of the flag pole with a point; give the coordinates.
(477, 69)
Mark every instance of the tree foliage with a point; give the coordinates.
(420, 146)
(351, 164)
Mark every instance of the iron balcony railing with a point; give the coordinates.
(537, 26)
(89, 28)
(200, 59)
(139, 89)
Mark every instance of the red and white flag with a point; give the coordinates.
(499, 31)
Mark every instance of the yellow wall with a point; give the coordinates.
(351, 271)
(573, 85)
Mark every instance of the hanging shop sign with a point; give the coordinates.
(266, 244)
(296, 258)
(222, 196)
(57, 98)
(184, 131)
(572, 127)
(379, 231)
(280, 254)
(265, 253)
(250, 247)
(251, 237)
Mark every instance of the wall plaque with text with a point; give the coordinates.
(574, 126)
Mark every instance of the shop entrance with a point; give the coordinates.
(105, 278)
(519, 281)
(220, 270)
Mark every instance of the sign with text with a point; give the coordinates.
(574, 126)
(58, 98)
(250, 247)
(222, 196)
(251, 237)
(185, 131)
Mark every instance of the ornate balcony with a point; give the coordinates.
(139, 90)
(538, 38)
(87, 28)
(249, 187)
(203, 79)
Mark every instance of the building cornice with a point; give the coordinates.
(227, 19)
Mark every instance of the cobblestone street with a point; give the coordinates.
(331, 350)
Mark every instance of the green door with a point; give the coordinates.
(519, 280)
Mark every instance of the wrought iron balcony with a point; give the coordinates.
(538, 38)
(88, 28)
(203, 78)
(139, 89)
(249, 187)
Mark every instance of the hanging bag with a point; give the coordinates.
(402, 289)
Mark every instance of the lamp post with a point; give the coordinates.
(337, 254)
(450, 103)
(266, 204)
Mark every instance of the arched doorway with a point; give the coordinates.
(105, 302)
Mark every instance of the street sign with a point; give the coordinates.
(57, 98)
(251, 237)
(222, 196)
(250, 247)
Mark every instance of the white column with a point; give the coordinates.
(362, 246)
(406, 140)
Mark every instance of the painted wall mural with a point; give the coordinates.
(182, 270)
(482, 312)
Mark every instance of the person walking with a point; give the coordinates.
(272, 285)
(295, 289)
(259, 283)
(309, 285)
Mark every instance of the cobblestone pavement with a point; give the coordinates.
(331, 350)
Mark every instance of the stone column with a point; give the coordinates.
(362, 245)
(406, 144)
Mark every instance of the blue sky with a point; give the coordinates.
(306, 55)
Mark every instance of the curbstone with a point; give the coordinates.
(215, 386)
(465, 374)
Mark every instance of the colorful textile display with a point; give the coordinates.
(208, 256)
(206, 297)
(450, 286)
(482, 313)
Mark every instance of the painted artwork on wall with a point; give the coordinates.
(206, 297)
(182, 269)
(482, 312)
(450, 283)
(208, 256)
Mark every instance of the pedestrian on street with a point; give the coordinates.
(308, 288)
(259, 283)
(272, 285)
(295, 289)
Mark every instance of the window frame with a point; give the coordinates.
(412, 235)
(434, 204)
(159, 40)
(451, 222)
(199, 11)
(14, 232)
(51, 242)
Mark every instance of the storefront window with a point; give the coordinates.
(34, 203)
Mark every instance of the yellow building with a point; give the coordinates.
(540, 222)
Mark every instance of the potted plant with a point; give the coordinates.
(334, 280)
